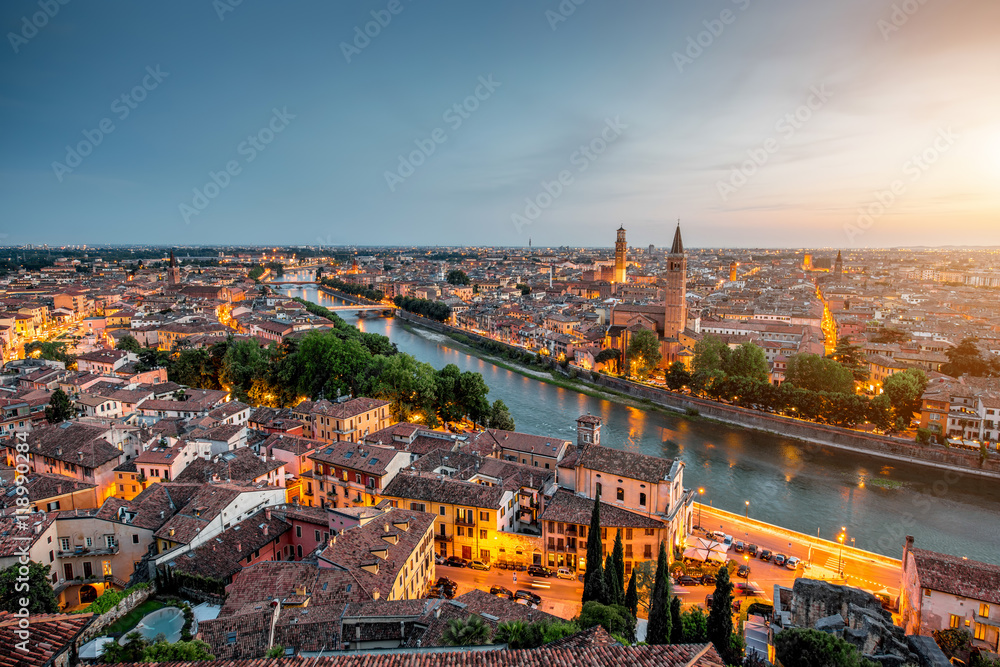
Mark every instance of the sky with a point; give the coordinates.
(790, 123)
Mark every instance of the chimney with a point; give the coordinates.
(333, 540)
(265, 530)
(239, 547)
(58, 451)
(267, 513)
(80, 455)
(907, 548)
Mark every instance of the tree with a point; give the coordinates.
(613, 618)
(891, 336)
(500, 416)
(677, 376)
(473, 631)
(660, 626)
(677, 627)
(243, 362)
(747, 361)
(710, 354)
(49, 350)
(182, 651)
(964, 359)
(643, 352)
(275, 651)
(618, 561)
(632, 596)
(593, 578)
(720, 618)
(851, 357)
(608, 354)
(613, 592)
(694, 626)
(815, 373)
(645, 581)
(132, 650)
(518, 634)
(801, 647)
(41, 598)
(129, 344)
(904, 391)
(60, 408)
(458, 277)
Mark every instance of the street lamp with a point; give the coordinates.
(840, 538)
(701, 492)
(746, 574)
(748, 509)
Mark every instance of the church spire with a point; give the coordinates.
(678, 247)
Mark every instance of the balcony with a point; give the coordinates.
(86, 552)
(444, 538)
(465, 522)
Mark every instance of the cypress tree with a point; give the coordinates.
(593, 580)
(658, 631)
(612, 587)
(619, 562)
(720, 618)
(677, 630)
(632, 596)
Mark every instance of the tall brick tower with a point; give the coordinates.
(676, 306)
(838, 268)
(174, 272)
(620, 249)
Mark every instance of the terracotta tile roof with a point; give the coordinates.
(595, 636)
(72, 442)
(650, 469)
(284, 580)
(467, 465)
(958, 576)
(291, 443)
(51, 635)
(239, 637)
(385, 542)
(241, 465)
(345, 410)
(446, 490)
(220, 558)
(369, 459)
(152, 508)
(40, 486)
(13, 528)
(523, 442)
(568, 507)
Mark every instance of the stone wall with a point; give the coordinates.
(128, 603)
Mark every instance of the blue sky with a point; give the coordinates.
(788, 123)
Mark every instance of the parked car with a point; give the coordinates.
(445, 581)
(793, 563)
(501, 592)
(686, 580)
(441, 592)
(743, 571)
(765, 554)
(438, 559)
(539, 571)
(739, 546)
(455, 561)
(779, 559)
(565, 573)
(479, 565)
(707, 579)
(752, 549)
(528, 596)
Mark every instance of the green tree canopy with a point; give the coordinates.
(613, 618)
(677, 376)
(500, 416)
(660, 627)
(710, 354)
(967, 359)
(720, 618)
(643, 352)
(904, 391)
(816, 373)
(458, 277)
(748, 361)
(129, 344)
(472, 631)
(41, 597)
(60, 408)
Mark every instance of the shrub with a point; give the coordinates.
(692, 412)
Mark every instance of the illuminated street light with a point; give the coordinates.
(748, 509)
(840, 538)
(701, 492)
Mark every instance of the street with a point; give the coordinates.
(560, 597)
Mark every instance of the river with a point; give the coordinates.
(805, 488)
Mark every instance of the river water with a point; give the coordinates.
(799, 486)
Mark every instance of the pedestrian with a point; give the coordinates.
(515, 577)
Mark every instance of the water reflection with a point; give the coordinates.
(802, 487)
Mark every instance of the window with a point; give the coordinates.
(298, 531)
(642, 499)
(484, 516)
(230, 637)
(647, 551)
(649, 532)
(984, 610)
(418, 507)
(482, 534)
(628, 550)
(620, 494)
(628, 533)
(441, 510)
(583, 532)
(955, 621)
(89, 541)
(461, 531)
(135, 539)
(316, 535)
(357, 478)
(604, 533)
(980, 631)
(110, 541)
(64, 544)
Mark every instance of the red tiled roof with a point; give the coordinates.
(957, 576)
(50, 635)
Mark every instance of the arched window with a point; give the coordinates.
(642, 499)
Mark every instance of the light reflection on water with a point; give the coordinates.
(803, 488)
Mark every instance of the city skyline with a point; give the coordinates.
(849, 126)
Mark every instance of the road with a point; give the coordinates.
(560, 597)
(821, 563)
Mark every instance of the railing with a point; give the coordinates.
(83, 552)
(465, 522)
